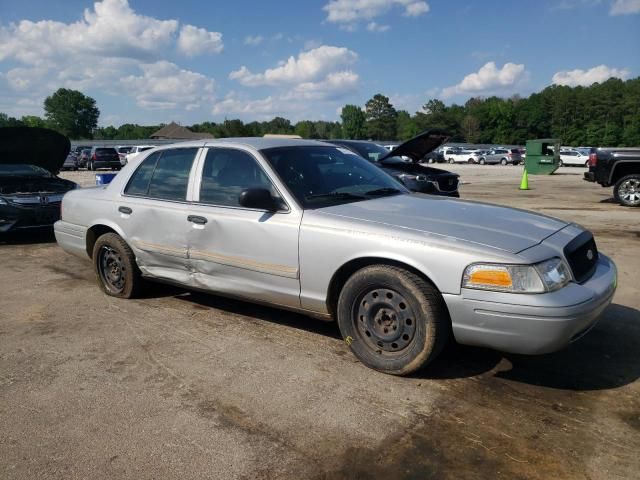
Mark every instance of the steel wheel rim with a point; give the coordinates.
(384, 320)
(112, 269)
(629, 191)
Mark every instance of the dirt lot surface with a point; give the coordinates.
(186, 385)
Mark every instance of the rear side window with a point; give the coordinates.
(171, 175)
(163, 175)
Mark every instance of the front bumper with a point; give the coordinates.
(534, 323)
(17, 217)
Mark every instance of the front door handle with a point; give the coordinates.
(125, 210)
(197, 219)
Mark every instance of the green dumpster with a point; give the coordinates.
(543, 156)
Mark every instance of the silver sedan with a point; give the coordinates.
(311, 227)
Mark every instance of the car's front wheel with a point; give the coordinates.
(393, 320)
(115, 267)
(503, 161)
(627, 190)
(451, 160)
(481, 161)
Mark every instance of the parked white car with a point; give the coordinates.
(573, 158)
(135, 150)
(463, 156)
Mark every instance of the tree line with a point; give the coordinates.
(603, 114)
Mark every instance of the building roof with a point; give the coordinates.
(178, 132)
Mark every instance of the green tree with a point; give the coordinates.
(353, 122)
(406, 126)
(471, 129)
(381, 118)
(7, 121)
(305, 129)
(33, 121)
(72, 113)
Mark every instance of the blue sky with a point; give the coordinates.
(156, 61)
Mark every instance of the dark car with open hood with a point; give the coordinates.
(414, 176)
(30, 191)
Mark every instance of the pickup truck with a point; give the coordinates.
(619, 167)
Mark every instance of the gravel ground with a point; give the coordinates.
(186, 385)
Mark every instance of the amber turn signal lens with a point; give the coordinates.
(498, 278)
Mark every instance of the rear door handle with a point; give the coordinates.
(125, 210)
(197, 219)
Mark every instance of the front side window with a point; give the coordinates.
(226, 173)
(163, 175)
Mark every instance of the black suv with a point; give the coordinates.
(104, 157)
(414, 176)
(619, 167)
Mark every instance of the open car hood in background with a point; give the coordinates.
(34, 146)
(417, 147)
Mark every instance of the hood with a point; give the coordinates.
(493, 226)
(34, 146)
(396, 164)
(417, 147)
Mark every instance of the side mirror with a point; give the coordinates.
(259, 198)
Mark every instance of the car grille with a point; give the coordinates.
(582, 255)
(448, 184)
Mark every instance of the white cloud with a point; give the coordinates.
(308, 66)
(111, 49)
(197, 41)
(375, 27)
(348, 13)
(585, 78)
(112, 29)
(253, 40)
(488, 79)
(165, 85)
(625, 7)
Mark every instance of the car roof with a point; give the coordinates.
(258, 143)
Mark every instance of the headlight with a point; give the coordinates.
(415, 178)
(542, 277)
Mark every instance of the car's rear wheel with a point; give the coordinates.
(450, 160)
(393, 320)
(115, 267)
(627, 191)
(503, 161)
(586, 164)
(470, 161)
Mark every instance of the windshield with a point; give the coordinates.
(323, 176)
(23, 170)
(368, 150)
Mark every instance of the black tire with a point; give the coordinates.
(450, 160)
(393, 320)
(470, 161)
(503, 161)
(560, 163)
(481, 161)
(115, 266)
(626, 191)
(586, 164)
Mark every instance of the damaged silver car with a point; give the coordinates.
(315, 228)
